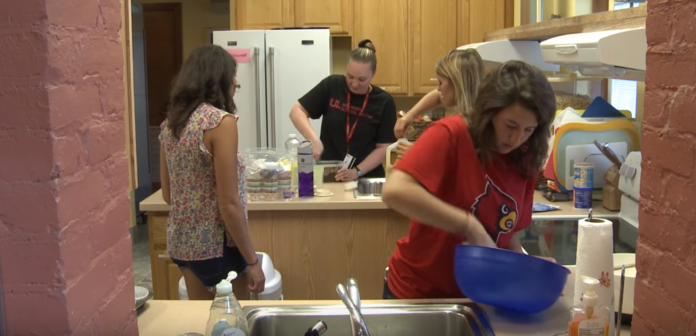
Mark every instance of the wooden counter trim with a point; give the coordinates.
(619, 19)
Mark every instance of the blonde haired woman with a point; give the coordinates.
(459, 74)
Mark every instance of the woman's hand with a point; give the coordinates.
(257, 280)
(347, 174)
(476, 234)
(547, 259)
(402, 125)
(317, 149)
(401, 149)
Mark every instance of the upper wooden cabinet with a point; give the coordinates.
(385, 23)
(433, 35)
(337, 15)
(265, 14)
(410, 35)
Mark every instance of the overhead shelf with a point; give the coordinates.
(611, 20)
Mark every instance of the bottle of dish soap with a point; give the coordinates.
(588, 319)
(226, 315)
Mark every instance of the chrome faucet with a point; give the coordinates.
(351, 298)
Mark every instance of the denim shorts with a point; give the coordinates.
(212, 271)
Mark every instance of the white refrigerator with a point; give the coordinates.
(275, 69)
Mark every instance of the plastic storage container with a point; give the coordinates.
(268, 173)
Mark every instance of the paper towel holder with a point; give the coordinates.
(591, 219)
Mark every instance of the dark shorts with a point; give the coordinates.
(212, 271)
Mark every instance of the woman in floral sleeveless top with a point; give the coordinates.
(202, 175)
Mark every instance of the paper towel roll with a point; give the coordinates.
(595, 258)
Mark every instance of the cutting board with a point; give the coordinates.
(590, 153)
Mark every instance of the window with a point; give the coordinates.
(623, 93)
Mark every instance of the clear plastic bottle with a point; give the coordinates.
(291, 146)
(226, 315)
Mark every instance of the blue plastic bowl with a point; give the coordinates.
(507, 279)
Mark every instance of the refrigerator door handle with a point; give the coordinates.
(271, 56)
(258, 98)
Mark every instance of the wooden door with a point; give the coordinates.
(163, 57)
(432, 37)
(164, 54)
(385, 23)
(265, 14)
(337, 15)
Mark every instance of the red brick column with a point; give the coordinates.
(65, 252)
(665, 294)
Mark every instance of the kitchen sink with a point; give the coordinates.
(369, 188)
(465, 319)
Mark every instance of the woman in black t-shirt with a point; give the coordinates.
(358, 118)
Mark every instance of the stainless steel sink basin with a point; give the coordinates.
(369, 188)
(382, 320)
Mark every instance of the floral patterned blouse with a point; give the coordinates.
(195, 228)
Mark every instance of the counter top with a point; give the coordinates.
(175, 317)
(344, 200)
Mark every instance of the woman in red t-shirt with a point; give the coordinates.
(472, 183)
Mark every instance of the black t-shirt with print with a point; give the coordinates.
(329, 100)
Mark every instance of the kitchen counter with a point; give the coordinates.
(344, 200)
(305, 238)
(175, 317)
(341, 200)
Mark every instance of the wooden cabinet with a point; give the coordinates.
(410, 35)
(335, 14)
(433, 35)
(269, 14)
(385, 23)
(165, 273)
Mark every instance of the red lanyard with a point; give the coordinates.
(351, 130)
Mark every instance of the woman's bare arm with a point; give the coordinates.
(224, 141)
(164, 177)
(300, 118)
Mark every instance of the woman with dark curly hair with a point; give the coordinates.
(202, 176)
(470, 182)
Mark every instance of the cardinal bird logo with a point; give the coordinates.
(495, 208)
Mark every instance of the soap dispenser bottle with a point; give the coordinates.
(588, 319)
(226, 315)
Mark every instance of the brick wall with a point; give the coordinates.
(665, 294)
(65, 252)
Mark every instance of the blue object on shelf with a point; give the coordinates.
(600, 108)
(507, 279)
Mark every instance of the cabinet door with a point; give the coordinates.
(433, 36)
(264, 14)
(165, 278)
(385, 23)
(476, 17)
(335, 14)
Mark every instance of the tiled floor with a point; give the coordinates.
(142, 273)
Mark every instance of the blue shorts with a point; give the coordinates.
(212, 271)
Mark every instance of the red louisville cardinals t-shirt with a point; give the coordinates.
(444, 161)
